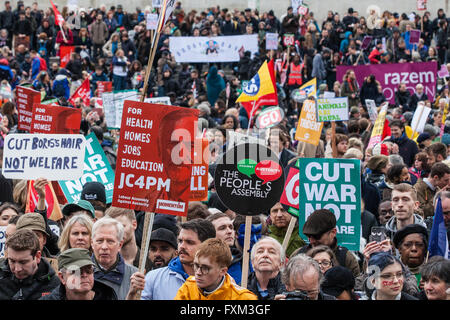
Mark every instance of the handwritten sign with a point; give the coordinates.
(332, 109)
(52, 156)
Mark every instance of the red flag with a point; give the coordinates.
(59, 20)
(386, 130)
(51, 201)
(266, 100)
(64, 54)
(83, 92)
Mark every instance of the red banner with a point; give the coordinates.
(154, 159)
(25, 98)
(83, 92)
(59, 19)
(199, 178)
(51, 201)
(55, 119)
(103, 86)
(64, 54)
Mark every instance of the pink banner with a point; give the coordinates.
(391, 75)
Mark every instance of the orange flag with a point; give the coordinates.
(51, 201)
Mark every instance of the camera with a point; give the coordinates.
(296, 295)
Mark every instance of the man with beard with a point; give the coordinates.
(163, 283)
(163, 248)
(280, 221)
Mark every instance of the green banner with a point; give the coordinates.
(333, 184)
(96, 168)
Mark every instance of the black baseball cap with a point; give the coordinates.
(94, 190)
(165, 235)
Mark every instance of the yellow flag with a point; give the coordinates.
(309, 89)
(260, 85)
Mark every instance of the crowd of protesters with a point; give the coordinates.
(99, 244)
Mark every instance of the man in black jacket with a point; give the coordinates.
(267, 258)
(407, 148)
(76, 273)
(24, 275)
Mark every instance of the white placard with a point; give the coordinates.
(271, 41)
(372, 110)
(159, 100)
(420, 118)
(51, 156)
(236, 138)
(152, 21)
(329, 95)
(335, 109)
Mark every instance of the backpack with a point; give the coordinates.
(42, 65)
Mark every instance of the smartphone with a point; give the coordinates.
(377, 234)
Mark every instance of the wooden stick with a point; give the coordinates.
(145, 243)
(333, 139)
(151, 57)
(289, 231)
(245, 259)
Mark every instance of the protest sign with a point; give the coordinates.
(421, 5)
(83, 92)
(50, 156)
(332, 184)
(414, 36)
(443, 72)
(235, 138)
(329, 95)
(212, 49)
(420, 118)
(392, 74)
(156, 3)
(269, 117)
(158, 100)
(55, 119)
(372, 110)
(249, 179)
(26, 97)
(152, 21)
(335, 109)
(302, 10)
(271, 41)
(154, 166)
(289, 199)
(308, 129)
(378, 128)
(199, 178)
(295, 4)
(103, 86)
(288, 39)
(113, 106)
(96, 168)
(366, 42)
(2, 241)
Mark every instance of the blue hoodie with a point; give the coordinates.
(345, 42)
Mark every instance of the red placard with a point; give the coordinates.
(83, 92)
(288, 40)
(290, 192)
(154, 159)
(103, 86)
(64, 54)
(55, 119)
(26, 97)
(199, 178)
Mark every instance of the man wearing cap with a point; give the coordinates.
(35, 222)
(76, 273)
(412, 244)
(78, 207)
(24, 275)
(426, 188)
(320, 228)
(163, 248)
(94, 192)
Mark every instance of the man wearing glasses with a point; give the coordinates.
(76, 273)
(320, 228)
(211, 280)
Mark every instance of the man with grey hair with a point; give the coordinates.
(267, 257)
(110, 267)
(302, 277)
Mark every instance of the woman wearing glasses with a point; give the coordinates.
(324, 256)
(387, 275)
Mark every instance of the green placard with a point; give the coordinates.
(96, 168)
(333, 184)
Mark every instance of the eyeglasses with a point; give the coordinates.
(203, 269)
(86, 270)
(446, 212)
(325, 263)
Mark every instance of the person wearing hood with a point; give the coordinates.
(163, 283)
(61, 85)
(169, 84)
(407, 148)
(404, 205)
(214, 85)
(345, 42)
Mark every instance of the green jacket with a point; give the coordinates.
(294, 243)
